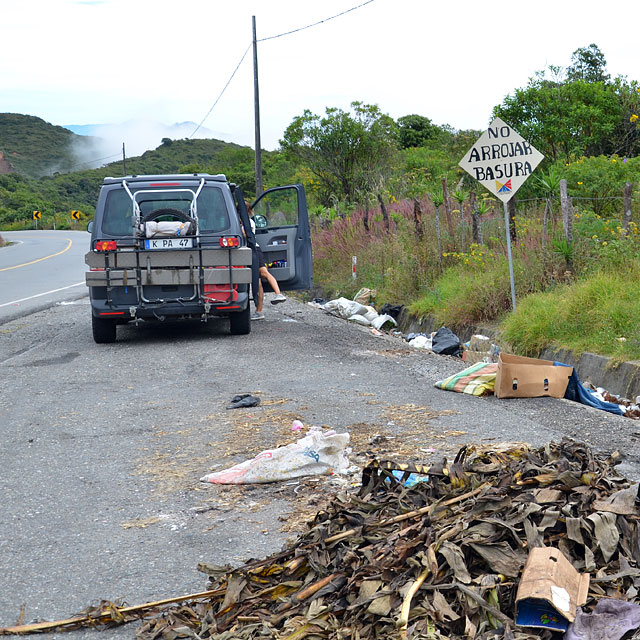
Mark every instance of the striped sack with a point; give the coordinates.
(477, 380)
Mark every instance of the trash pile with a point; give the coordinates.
(521, 377)
(359, 313)
(440, 559)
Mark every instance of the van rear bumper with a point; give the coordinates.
(101, 308)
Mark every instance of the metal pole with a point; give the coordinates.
(124, 161)
(256, 99)
(506, 229)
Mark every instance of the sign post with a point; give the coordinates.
(36, 216)
(502, 160)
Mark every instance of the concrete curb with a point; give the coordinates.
(622, 379)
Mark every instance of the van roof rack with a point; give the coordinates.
(219, 177)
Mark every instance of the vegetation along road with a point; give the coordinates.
(103, 445)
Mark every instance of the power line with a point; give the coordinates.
(79, 164)
(244, 55)
(280, 35)
(315, 24)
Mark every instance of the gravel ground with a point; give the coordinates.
(103, 445)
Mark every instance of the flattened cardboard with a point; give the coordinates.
(520, 377)
(550, 590)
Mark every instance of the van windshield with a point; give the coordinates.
(213, 216)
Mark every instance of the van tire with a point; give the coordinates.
(178, 215)
(104, 331)
(240, 323)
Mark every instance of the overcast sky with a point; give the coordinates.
(159, 61)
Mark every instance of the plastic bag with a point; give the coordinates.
(345, 308)
(317, 453)
(421, 342)
(447, 343)
(365, 296)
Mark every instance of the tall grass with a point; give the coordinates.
(561, 296)
(600, 314)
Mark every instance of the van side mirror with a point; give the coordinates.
(90, 226)
(261, 221)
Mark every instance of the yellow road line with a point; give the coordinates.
(53, 255)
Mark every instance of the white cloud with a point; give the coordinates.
(112, 61)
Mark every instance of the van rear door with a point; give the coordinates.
(284, 235)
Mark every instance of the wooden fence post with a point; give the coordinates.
(628, 190)
(447, 207)
(567, 216)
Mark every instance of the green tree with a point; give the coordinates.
(415, 131)
(564, 119)
(578, 113)
(350, 154)
(588, 64)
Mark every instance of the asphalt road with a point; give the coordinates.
(41, 268)
(103, 446)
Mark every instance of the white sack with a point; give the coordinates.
(421, 342)
(380, 321)
(175, 229)
(345, 308)
(317, 453)
(371, 314)
(360, 320)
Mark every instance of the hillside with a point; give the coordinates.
(34, 148)
(33, 176)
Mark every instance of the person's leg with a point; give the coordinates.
(260, 297)
(264, 273)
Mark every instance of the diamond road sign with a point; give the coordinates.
(501, 160)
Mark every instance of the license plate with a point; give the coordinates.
(168, 243)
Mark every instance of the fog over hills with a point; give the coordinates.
(138, 136)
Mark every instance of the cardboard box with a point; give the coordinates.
(550, 590)
(520, 377)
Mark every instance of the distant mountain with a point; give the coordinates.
(34, 148)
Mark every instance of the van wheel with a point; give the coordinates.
(240, 323)
(104, 331)
(171, 214)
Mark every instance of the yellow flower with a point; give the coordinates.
(579, 182)
(633, 118)
(605, 243)
(613, 160)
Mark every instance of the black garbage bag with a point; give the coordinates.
(392, 310)
(446, 343)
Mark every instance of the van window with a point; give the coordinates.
(213, 216)
(279, 207)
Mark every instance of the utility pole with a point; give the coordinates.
(124, 161)
(256, 100)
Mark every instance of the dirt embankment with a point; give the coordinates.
(5, 165)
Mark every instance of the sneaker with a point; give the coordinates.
(279, 298)
(257, 316)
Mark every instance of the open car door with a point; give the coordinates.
(283, 233)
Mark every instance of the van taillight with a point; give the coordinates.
(106, 245)
(229, 242)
